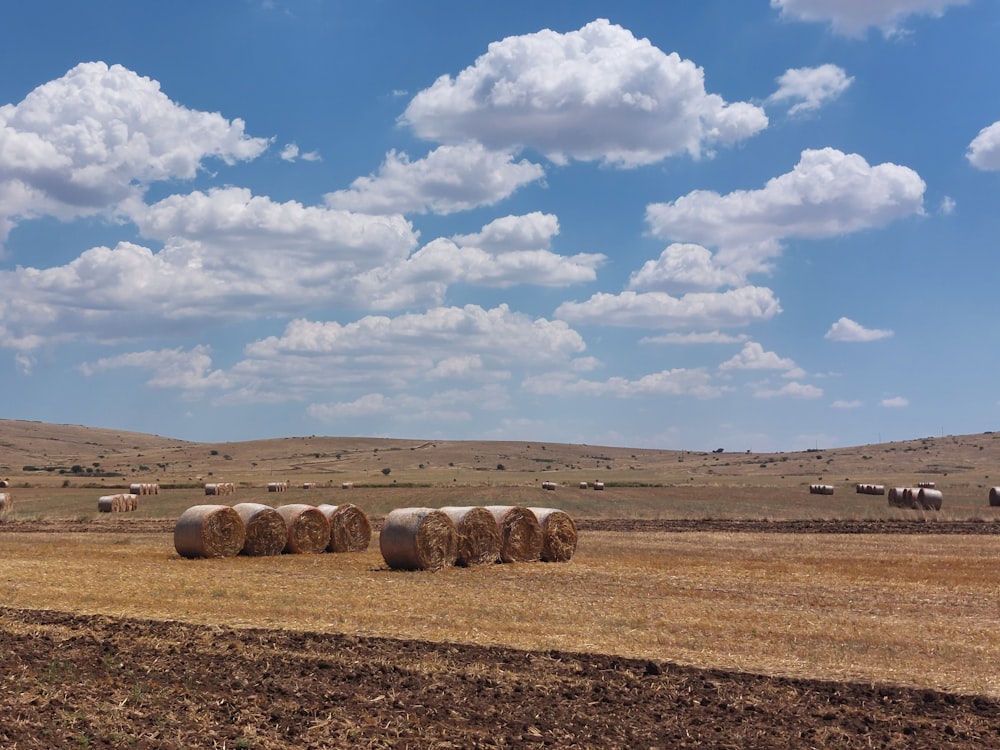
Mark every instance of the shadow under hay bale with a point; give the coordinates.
(521, 536)
(478, 535)
(994, 496)
(308, 529)
(559, 534)
(209, 531)
(266, 533)
(350, 529)
(418, 539)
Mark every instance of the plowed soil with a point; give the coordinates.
(98, 682)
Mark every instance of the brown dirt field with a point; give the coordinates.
(77, 681)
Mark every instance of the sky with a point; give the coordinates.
(756, 225)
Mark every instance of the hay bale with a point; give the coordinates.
(821, 489)
(6, 503)
(598, 485)
(521, 536)
(994, 496)
(209, 531)
(117, 503)
(898, 498)
(308, 529)
(559, 540)
(418, 539)
(478, 535)
(266, 533)
(926, 485)
(929, 499)
(350, 529)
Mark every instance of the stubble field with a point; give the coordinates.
(706, 606)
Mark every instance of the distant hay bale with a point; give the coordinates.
(308, 529)
(870, 489)
(117, 503)
(583, 485)
(548, 485)
(266, 533)
(277, 486)
(598, 485)
(925, 485)
(350, 529)
(209, 531)
(6, 503)
(521, 536)
(308, 485)
(418, 539)
(560, 537)
(994, 496)
(347, 485)
(821, 489)
(929, 499)
(478, 535)
(4, 483)
(220, 488)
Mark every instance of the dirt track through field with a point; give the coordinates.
(92, 681)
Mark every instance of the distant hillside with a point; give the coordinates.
(38, 450)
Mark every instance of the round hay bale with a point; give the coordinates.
(994, 496)
(521, 536)
(559, 541)
(308, 529)
(929, 499)
(418, 539)
(350, 529)
(478, 535)
(898, 498)
(6, 503)
(266, 533)
(209, 531)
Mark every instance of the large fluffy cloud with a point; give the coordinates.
(449, 179)
(682, 267)
(83, 142)
(828, 193)
(597, 93)
(854, 17)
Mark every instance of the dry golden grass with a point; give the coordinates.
(911, 610)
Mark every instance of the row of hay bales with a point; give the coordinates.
(220, 488)
(144, 488)
(277, 486)
(820, 489)
(431, 539)
(915, 498)
(121, 503)
(257, 529)
(869, 489)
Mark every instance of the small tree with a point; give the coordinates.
(386, 471)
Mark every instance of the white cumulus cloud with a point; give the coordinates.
(597, 93)
(683, 267)
(449, 179)
(828, 193)
(810, 88)
(81, 143)
(791, 390)
(895, 402)
(984, 151)
(846, 329)
(753, 357)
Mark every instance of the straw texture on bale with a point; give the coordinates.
(521, 536)
(559, 540)
(209, 531)
(418, 539)
(350, 529)
(308, 529)
(478, 535)
(898, 498)
(266, 533)
(994, 496)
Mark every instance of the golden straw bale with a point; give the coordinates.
(478, 535)
(929, 499)
(209, 531)
(418, 539)
(308, 529)
(266, 533)
(521, 536)
(350, 529)
(560, 535)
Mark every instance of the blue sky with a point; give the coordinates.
(762, 225)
